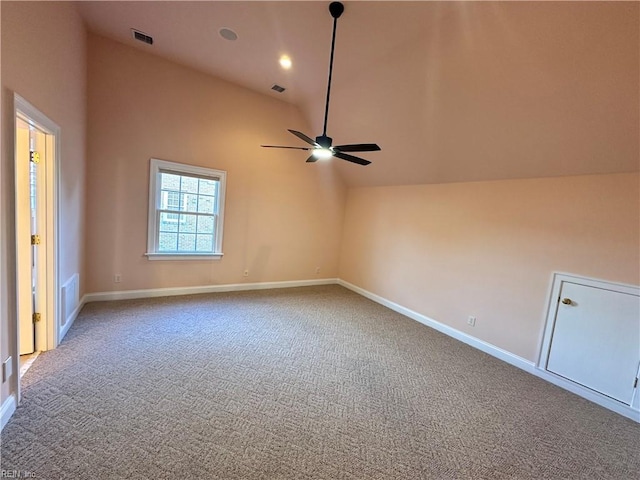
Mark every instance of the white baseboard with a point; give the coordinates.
(595, 397)
(65, 328)
(233, 287)
(497, 352)
(7, 409)
(501, 354)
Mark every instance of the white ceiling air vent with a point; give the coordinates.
(278, 88)
(143, 37)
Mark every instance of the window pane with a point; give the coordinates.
(204, 243)
(189, 202)
(186, 242)
(205, 224)
(173, 200)
(207, 187)
(188, 223)
(169, 222)
(169, 181)
(167, 242)
(169, 200)
(206, 204)
(189, 184)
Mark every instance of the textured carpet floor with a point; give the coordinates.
(308, 383)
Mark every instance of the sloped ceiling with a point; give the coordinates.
(452, 91)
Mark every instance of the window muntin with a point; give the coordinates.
(186, 210)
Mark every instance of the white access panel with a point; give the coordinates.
(595, 339)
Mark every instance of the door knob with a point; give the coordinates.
(567, 301)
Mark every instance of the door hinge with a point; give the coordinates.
(36, 317)
(34, 157)
(35, 240)
(635, 383)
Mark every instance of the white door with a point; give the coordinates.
(30, 225)
(596, 340)
(23, 227)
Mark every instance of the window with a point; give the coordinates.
(186, 207)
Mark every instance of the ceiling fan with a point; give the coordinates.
(321, 147)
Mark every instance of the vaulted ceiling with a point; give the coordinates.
(452, 91)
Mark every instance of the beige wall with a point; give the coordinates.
(48, 69)
(488, 249)
(283, 217)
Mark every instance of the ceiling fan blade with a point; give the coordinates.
(280, 146)
(303, 137)
(351, 158)
(358, 147)
(312, 159)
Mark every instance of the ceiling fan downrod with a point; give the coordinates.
(336, 9)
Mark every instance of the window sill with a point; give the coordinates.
(183, 256)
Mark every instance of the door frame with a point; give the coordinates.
(46, 331)
(633, 411)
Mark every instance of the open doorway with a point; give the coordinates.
(36, 155)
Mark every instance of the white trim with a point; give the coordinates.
(53, 260)
(65, 328)
(598, 283)
(481, 345)
(602, 400)
(7, 410)
(155, 167)
(232, 287)
(183, 256)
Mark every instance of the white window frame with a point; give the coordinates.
(155, 168)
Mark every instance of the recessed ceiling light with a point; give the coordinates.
(228, 34)
(285, 62)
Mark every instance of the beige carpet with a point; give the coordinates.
(308, 383)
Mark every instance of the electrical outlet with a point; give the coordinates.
(317, 270)
(7, 368)
(471, 321)
(245, 273)
(117, 278)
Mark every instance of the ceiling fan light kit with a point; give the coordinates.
(322, 153)
(321, 147)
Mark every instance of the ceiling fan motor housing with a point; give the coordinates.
(324, 141)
